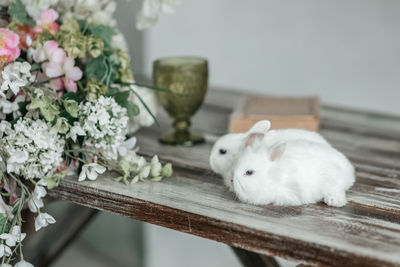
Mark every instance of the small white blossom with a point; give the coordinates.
(43, 220)
(14, 236)
(94, 11)
(14, 76)
(35, 7)
(75, 131)
(155, 166)
(35, 202)
(91, 171)
(143, 119)
(34, 150)
(23, 264)
(151, 9)
(105, 124)
(4, 208)
(127, 146)
(4, 250)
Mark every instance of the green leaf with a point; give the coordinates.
(96, 68)
(66, 115)
(167, 170)
(121, 97)
(157, 179)
(72, 107)
(5, 224)
(55, 179)
(18, 13)
(71, 95)
(105, 32)
(133, 109)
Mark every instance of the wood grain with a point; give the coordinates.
(366, 232)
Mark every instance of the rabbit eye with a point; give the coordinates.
(249, 172)
(222, 151)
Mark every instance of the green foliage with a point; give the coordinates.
(47, 109)
(121, 97)
(18, 13)
(105, 32)
(132, 109)
(54, 179)
(140, 170)
(72, 107)
(5, 224)
(97, 68)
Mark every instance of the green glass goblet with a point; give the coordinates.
(186, 79)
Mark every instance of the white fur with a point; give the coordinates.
(300, 172)
(234, 144)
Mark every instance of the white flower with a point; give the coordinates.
(94, 11)
(43, 220)
(118, 41)
(35, 7)
(127, 146)
(75, 131)
(35, 202)
(17, 160)
(105, 124)
(14, 236)
(5, 265)
(144, 119)
(151, 9)
(4, 250)
(9, 107)
(155, 166)
(91, 171)
(34, 150)
(23, 264)
(4, 208)
(14, 76)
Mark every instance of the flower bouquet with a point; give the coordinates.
(67, 102)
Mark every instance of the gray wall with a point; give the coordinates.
(348, 52)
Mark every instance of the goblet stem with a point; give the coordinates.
(182, 135)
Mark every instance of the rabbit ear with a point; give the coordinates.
(256, 132)
(260, 127)
(277, 151)
(249, 139)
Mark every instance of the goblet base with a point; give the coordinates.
(179, 139)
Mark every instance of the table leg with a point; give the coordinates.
(252, 259)
(45, 246)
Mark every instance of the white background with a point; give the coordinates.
(348, 52)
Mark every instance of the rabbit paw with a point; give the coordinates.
(336, 200)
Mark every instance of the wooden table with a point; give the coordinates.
(366, 232)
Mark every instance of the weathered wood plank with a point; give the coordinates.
(351, 235)
(366, 232)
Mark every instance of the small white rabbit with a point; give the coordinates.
(293, 173)
(227, 149)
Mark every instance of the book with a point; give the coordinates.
(282, 112)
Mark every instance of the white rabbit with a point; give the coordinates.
(293, 173)
(227, 149)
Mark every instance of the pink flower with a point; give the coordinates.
(46, 21)
(72, 74)
(56, 57)
(9, 49)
